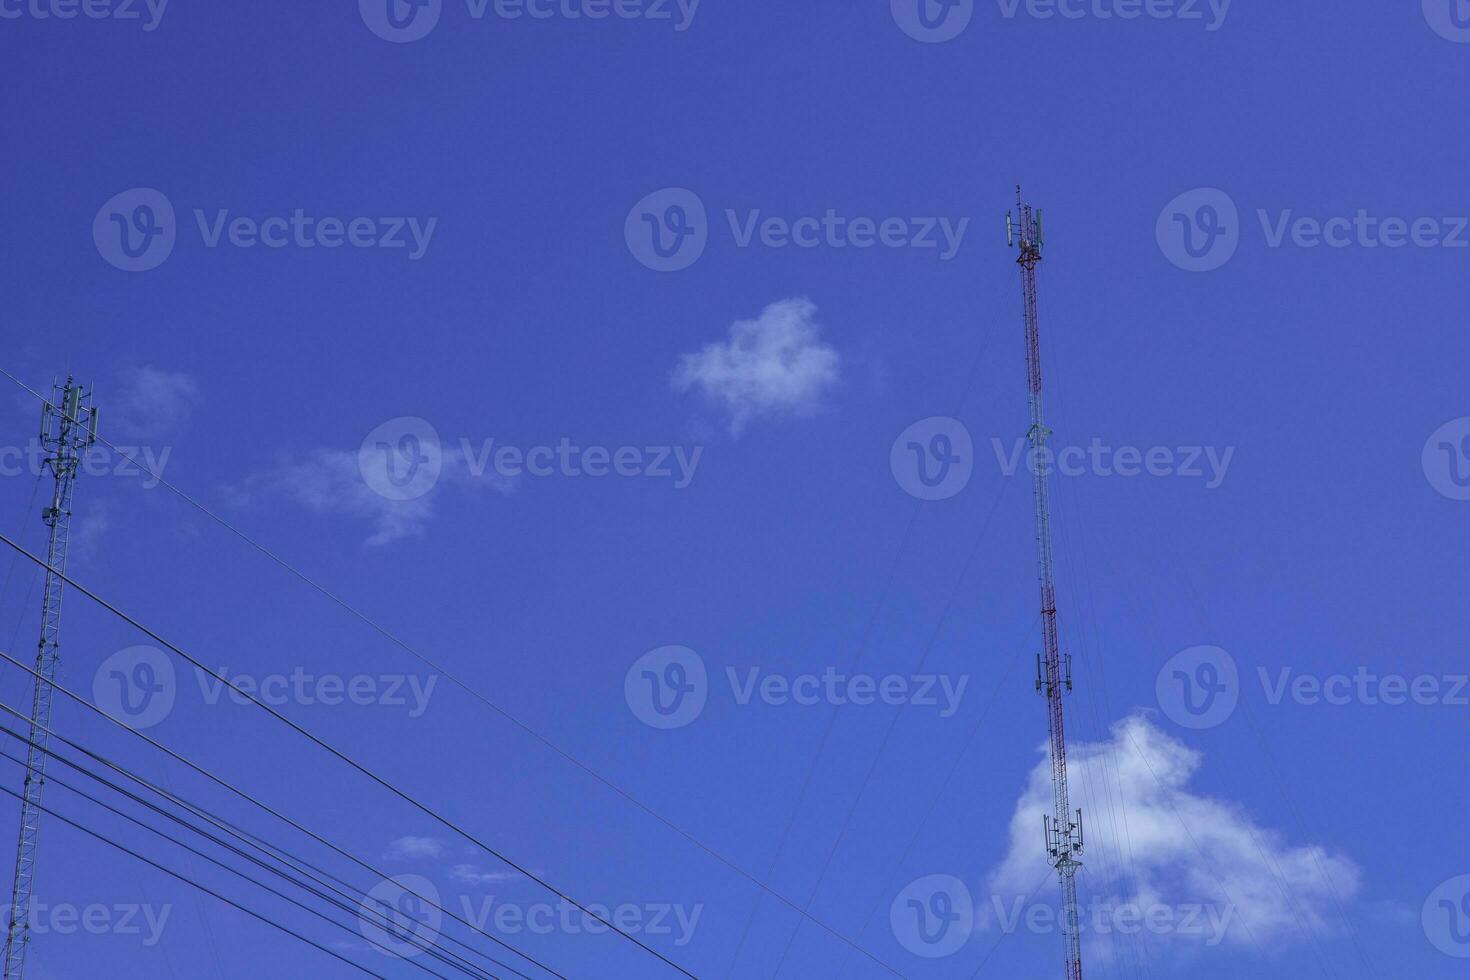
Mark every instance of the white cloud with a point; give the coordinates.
(471, 874)
(1156, 843)
(414, 848)
(90, 525)
(149, 403)
(773, 365)
(330, 481)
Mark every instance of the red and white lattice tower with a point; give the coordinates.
(1063, 827)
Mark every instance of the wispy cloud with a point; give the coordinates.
(773, 365)
(1165, 845)
(331, 481)
(328, 481)
(90, 525)
(470, 874)
(150, 402)
(414, 848)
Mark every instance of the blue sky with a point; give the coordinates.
(1256, 232)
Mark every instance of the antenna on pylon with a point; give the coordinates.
(68, 430)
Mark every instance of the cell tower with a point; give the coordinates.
(1053, 671)
(68, 428)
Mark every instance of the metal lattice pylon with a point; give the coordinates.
(1064, 839)
(68, 429)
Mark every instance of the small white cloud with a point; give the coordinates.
(471, 874)
(771, 366)
(330, 481)
(1157, 844)
(150, 403)
(414, 848)
(90, 525)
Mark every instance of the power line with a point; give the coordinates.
(363, 907)
(208, 891)
(358, 766)
(244, 796)
(1076, 562)
(218, 863)
(275, 852)
(804, 912)
(826, 737)
(473, 692)
(923, 821)
(1006, 932)
(893, 721)
(1282, 788)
